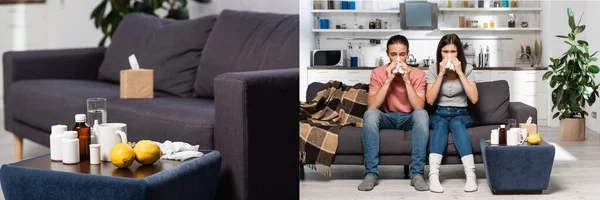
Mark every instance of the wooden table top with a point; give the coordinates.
(135, 170)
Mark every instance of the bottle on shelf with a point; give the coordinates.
(511, 20)
(486, 57)
(480, 57)
(449, 3)
(84, 136)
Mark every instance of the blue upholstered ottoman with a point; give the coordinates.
(523, 169)
(40, 178)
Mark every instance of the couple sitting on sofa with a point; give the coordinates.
(397, 101)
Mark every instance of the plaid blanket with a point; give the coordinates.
(334, 106)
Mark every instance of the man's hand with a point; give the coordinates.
(406, 68)
(388, 71)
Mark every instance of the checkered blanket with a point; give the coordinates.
(334, 106)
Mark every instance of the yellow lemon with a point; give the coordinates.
(534, 139)
(147, 152)
(122, 155)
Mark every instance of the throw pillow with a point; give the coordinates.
(492, 106)
(171, 48)
(247, 41)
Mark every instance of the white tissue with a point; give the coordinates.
(449, 64)
(398, 69)
(133, 62)
(178, 150)
(529, 120)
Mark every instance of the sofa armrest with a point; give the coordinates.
(521, 111)
(256, 132)
(52, 64)
(80, 63)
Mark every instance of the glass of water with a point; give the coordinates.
(96, 110)
(511, 123)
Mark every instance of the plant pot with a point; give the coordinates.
(572, 129)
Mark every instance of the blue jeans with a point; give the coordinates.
(417, 122)
(455, 120)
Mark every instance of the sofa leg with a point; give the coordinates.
(301, 170)
(406, 170)
(18, 147)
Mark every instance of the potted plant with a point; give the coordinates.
(109, 21)
(572, 80)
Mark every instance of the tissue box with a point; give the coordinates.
(531, 128)
(137, 84)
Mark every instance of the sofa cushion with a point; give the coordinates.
(492, 107)
(171, 48)
(391, 141)
(43, 103)
(247, 41)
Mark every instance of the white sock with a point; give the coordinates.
(469, 165)
(434, 173)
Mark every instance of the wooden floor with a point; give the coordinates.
(575, 175)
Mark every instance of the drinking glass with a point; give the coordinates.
(96, 110)
(511, 123)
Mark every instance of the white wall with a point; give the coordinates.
(216, 6)
(307, 43)
(591, 15)
(69, 24)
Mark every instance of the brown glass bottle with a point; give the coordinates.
(502, 134)
(84, 136)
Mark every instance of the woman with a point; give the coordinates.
(448, 89)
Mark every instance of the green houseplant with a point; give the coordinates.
(572, 79)
(108, 20)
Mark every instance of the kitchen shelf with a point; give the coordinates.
(357, 30)
(488, 9)
(357, 11)
(506, 29)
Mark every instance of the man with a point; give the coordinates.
(396, 101)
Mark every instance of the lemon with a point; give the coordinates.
(147, 152)
(122, 155)
(534, 139)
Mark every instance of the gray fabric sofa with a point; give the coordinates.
(493, 108)
(227, 82)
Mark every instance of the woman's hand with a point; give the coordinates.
(442, 67)
(457, 66)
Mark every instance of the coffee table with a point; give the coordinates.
(41, 178)
(522, 169)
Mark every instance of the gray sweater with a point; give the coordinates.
(451, 92)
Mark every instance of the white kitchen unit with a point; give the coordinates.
(346, 76)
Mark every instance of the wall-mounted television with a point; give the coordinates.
(418, 15)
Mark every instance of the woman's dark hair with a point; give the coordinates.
(452, 39)
(395, 40)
